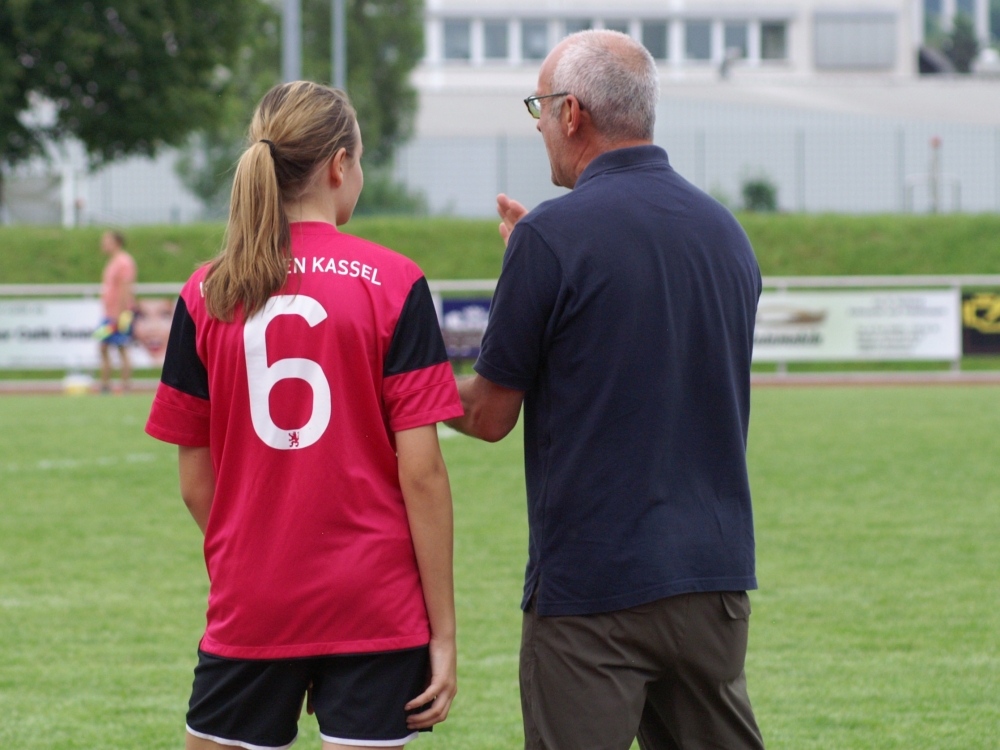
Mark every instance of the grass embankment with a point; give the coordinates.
(876, 625)
(786, 245)
(444, 248)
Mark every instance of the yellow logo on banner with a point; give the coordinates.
(982, 312)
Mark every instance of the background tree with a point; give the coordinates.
(208, 159)
(123, 76)
(995, 21)
(962, 45)
(384, 43)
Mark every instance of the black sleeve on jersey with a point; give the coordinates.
(417, 341)
(183, 369)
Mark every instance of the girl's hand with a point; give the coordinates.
(442, 688)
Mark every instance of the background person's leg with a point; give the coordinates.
(105, 369)
(126, 368)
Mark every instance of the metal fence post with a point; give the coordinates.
(996, 168)
(956, 365)
(904, 203)
(501, 148)
(800, 169)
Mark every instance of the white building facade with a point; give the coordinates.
(689, 38)
(823, 97)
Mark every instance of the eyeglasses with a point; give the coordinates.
(534, 108)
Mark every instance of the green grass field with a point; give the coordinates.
(877, 624)
(449, 248)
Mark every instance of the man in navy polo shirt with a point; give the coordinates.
(623, 319)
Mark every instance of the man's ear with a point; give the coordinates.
(572, 115)
(337, 168)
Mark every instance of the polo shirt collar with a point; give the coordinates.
(622, 158)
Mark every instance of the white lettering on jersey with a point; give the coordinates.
(261, 378)
(352, 268)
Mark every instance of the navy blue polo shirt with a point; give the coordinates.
(625, 312)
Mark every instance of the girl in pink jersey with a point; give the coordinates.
(304, 377)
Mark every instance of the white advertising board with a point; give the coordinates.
(56, 334)
(845, 326)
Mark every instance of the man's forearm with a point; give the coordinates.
(463, 423)
(491, 411)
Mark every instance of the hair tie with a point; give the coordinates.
(270, 145)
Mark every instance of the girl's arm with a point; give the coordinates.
(427, 494)
(197, 482)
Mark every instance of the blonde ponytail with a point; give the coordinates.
(297, 127)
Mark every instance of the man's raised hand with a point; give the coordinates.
(510, 212)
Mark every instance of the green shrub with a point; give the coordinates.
(759, 194)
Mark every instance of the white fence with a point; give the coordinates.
(819, 162)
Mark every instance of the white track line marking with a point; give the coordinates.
(50, 464)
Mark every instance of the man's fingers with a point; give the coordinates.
(504, 232)
(510, 210)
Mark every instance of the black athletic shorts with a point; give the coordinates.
(359, 699)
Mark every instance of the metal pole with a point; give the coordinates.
(502, 163)
(901, 170)
(338, 48)
(934, 182)
(291, 40)
(800, 169)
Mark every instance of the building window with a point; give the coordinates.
(698, 40)
(574, 25)
(655, 39)
(534, 40)
(495, 40)
(773, 41)
(457, 40)
(735, 38)
(617, 25)
(855, 40)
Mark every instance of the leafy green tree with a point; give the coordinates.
(962, 45)
(208, 160)
(384, 43)
(124, 76)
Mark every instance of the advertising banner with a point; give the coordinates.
(56, 334)
(845, 326)
(463, 323)
(981, 323)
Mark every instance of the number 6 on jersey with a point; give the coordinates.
(261, 378)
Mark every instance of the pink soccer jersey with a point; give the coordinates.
(308, 546)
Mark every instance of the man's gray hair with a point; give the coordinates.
(615, 79)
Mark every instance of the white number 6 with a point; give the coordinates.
(261, 378)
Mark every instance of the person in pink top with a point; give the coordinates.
(304, 376)
(118, 300)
